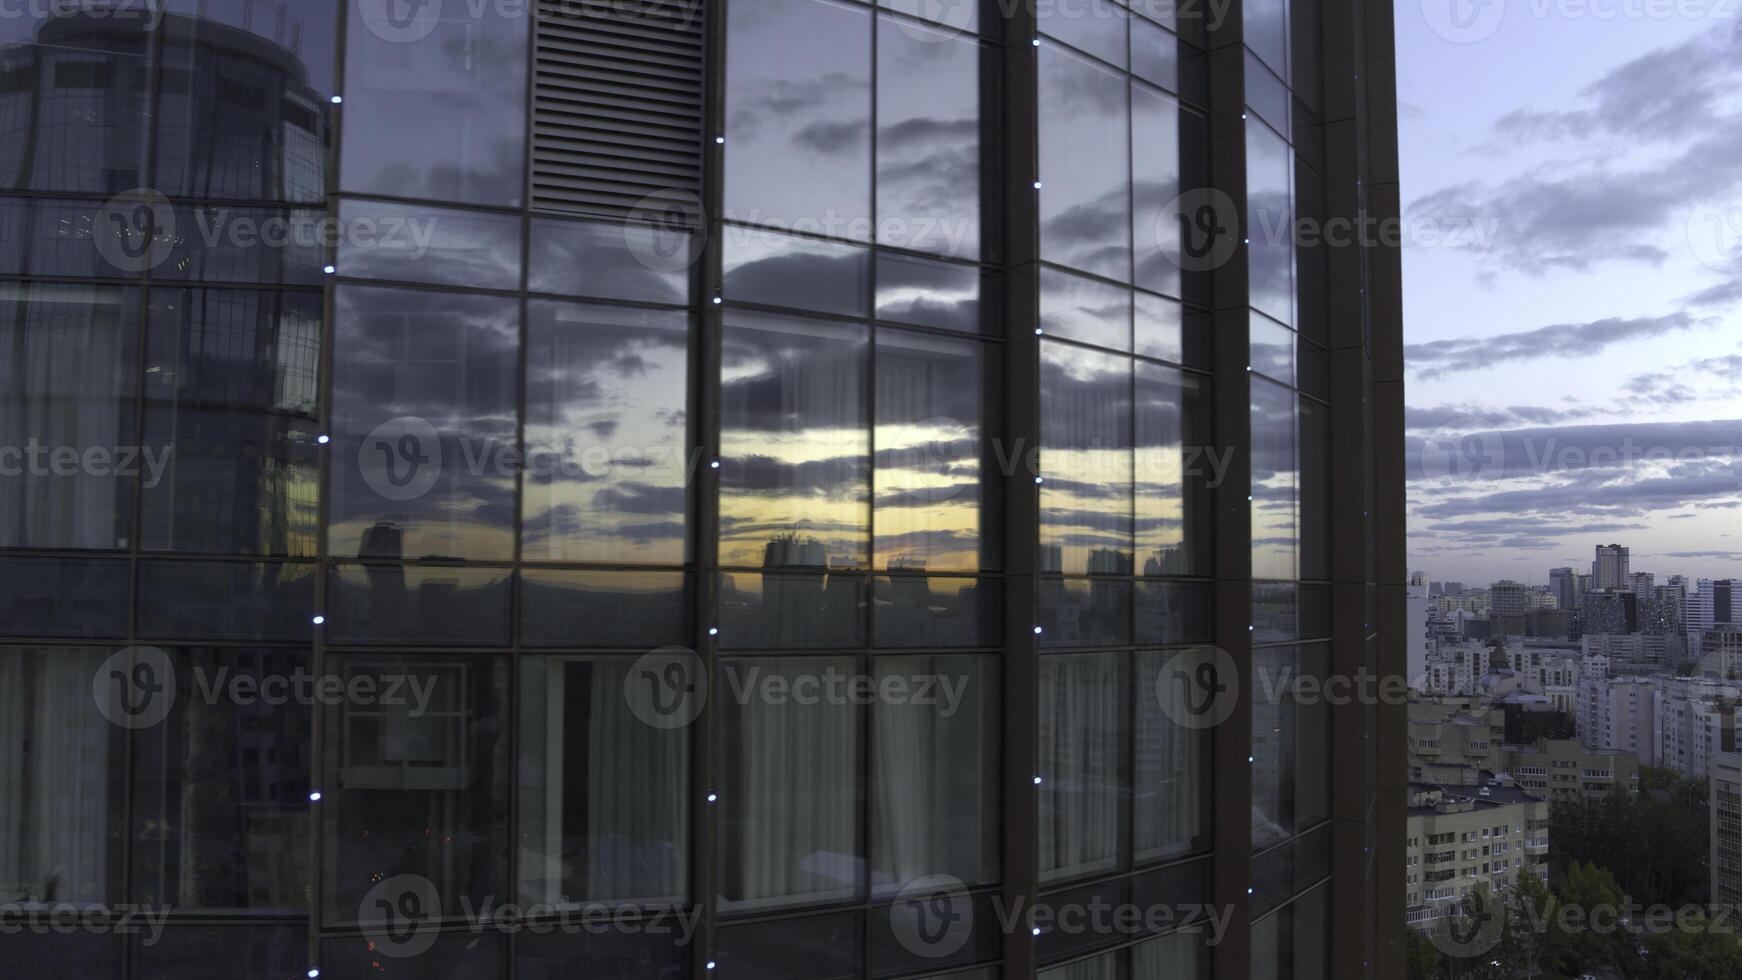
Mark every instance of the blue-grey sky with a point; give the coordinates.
(1572, 193)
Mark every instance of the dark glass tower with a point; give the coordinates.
(684, 488)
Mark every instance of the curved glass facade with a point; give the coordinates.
(424, 552)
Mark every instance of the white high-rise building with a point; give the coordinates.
(1611, 569)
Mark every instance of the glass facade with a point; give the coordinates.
(402, 573)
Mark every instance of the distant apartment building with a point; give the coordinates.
(1689, 731)
(1610, 569)
(1455, 668)
(1725, 794)
(1615, 713)
(1564, 583)
(1416, 639)
(1460, 838)
(1453, 740)
(1720, 652)
(1608, 612)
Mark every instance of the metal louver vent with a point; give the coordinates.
(617, 112)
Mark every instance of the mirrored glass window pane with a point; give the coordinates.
(794, 442)
(1084, 161)
(417, 243)
(1266, 32)
(1095, 27)
(928, 140)
(604, 791)
(1154, 54)
(1270, 222)
(934, 773)
(611, 260)
(798, 116)
(821, 947)
(1084, 309)
(1174, 467)
(48, 237)
(1181, 956)
(68, 363)
(416, 786)
(561, 608)
(801, 610)
(1174, 612)
(930, 404)
(211, 600)
(766, 267)
(1274, 481)
(1160, 328)
(1155, 190)
(242, 110)
(424, 438)
(1086, 501)
(932, 294)
(63, 596)
(790, 807)
(220, 787)
(444, 118)
(223, 952)
(936, 611)
(75, 115)
(1272, 349)
(607, 446)
(1315, 490)
(1083, 741)
(218, 243)
(442, 605)
(1266, 95)
(1274, 730)
(232, 388)
(1084, 612)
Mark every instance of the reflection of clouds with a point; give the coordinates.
(1084, 164)
(604, 433)
(782, 270)
(451, 361)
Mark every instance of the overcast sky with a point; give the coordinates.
(1572, 191)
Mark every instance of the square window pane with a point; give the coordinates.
(1096, 28)
(443, 119)
(794, 443)
(424, 401)
(607, 444)
(1174, 612)
(1083, 309)
(1085, 612)
(790, 807)
(604, 793)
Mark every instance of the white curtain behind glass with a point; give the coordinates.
(1176, 957)
(54, 770)
(794, 769)
(934, 777)
(1170, 765)
(1103, 967)
(1081, 709)
(60, 350)
(636, 796)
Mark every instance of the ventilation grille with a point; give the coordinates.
(617, 111)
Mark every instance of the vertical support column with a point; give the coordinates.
(1232, 508)
(1020, 151)
(705, 485)
(1378, 70)
(1353, 911)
